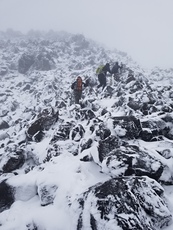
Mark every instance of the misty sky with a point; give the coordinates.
(142, 28)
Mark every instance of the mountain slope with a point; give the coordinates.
(103, 164)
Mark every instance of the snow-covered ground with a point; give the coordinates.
(46, 191)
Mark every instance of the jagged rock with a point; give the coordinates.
(132, 203)
(147, 108)
(3, 136)
(109, 91)
(167, 118)
(147, 135)
(131, 124)
(103, 112)
(60, 104)
(86, 145)
(46, 193)
(135, 105)
(130, 78)
(106, 145)
(169, 135)
(119, 92)
(136, 87)
(12, 159)
(35, 131)
(77, 133)
(6, 196)
(26, 87)
(4, 125)
(152, 98)
(152, 124)
(131, 160)
(63, 132)
(166, 153)
(45, 120)
(154, 128)
(3, 70)
(14, 105)
(25, 62)
(166, 109)
(87, 114)
(53, 151)
(103, 132)
(171, 94)
(4, 113)
(121, 101)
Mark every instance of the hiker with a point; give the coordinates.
(121, 68)
(102, 71)
(77, 87)
(115, 71)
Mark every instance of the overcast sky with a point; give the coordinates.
(142, 28)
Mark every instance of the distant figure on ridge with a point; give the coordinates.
(77, 87)
(101, 72)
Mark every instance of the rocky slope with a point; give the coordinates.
(102, 164)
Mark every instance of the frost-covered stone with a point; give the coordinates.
(13, 158)
(6, 196)
(46, 193)
(130, 203)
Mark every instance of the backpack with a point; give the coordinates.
(99, 69)
(78, 84)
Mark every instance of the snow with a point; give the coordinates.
(71, 176)
(67, 172)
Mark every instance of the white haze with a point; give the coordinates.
(142, 28)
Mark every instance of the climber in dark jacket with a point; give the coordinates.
(115, 71)
(102, 75)
(77, 87)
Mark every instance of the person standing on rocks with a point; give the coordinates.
(77, 87)
(102, 75)
(116, 71)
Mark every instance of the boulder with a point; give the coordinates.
(46, 193)
(12, 159)
(131, 203)
(6, 196)
(25, 62)
(131, 124)
(43, 123)
(131, 160)
(4, 125)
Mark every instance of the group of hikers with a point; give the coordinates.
(101, 72)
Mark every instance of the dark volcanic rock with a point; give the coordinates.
(131, 124)
(45, 120)
(25, 62)
(6, 196)
(13, 158)
(77, 132)
(107, 145)
(4, 125)
(46, 193)
(132, 203)
(14, 161)
(131, 160)
(63, 132)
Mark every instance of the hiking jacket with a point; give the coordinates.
(74, 84)
(106, 69)
(115, 68)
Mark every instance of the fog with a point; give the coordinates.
(142, 28)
